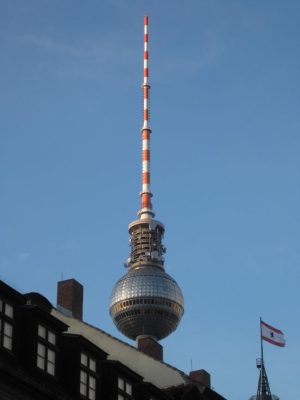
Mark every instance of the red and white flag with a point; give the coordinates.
(272, 335)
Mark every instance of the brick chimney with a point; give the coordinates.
(70, 297)
(201, 376)
(148, 345)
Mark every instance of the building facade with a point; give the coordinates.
(50, 353)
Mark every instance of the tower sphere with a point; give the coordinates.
(146, 300)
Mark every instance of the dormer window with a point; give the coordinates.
(88, 371)
(46, 350)
(124, 389)
(6, 325)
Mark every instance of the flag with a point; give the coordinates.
(272, 335)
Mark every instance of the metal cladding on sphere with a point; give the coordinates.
(146, 300)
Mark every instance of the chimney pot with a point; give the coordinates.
(150, 346)
(201, 376)
(70, 297)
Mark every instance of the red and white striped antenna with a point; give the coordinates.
(146, 205)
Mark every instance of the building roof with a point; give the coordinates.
(157, 372)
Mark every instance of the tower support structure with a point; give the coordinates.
(263, 388)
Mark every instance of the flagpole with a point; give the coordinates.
(261, 343)
(262, 357)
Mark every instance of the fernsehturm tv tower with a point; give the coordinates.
(146, 301)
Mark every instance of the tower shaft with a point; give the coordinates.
(146, 206)
(146, 233)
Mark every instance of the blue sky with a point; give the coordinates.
(225, 165)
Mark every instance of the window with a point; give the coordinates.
(124, 389)
(46, 350)
(88, 370)
(6, 325)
